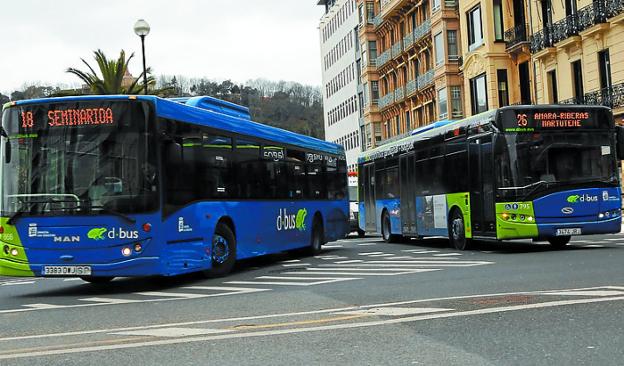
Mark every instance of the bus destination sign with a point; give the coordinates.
(70, 117)
(530, 121)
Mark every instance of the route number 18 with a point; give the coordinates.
(27, 120)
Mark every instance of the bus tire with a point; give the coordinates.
(223, 251)
(386, 229)
(457, 231)
(316, 241)
(559, 242)
(97, 280)
(361, 233)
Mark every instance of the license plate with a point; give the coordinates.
(568, 231)
(67, 271)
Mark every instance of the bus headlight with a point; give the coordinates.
(505, 216)
(530, 219)
(126, 252)
(14, 252)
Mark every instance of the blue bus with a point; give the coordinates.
(521, 172)
(99, 187)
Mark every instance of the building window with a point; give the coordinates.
(370, 12)
(451, 39)
(503, 88)
(475, 30)
(604, 68)
(552, 87)
(375, 89)
(456, 102)
(478, 94)
(408, 122)
(577, 79)
(387, 123)
(442, 104)
(366, 94)
(435, 6)
(439, 49)
(398, 125)
(372, 50)
(498, 21)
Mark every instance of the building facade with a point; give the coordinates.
(578, 51)
(338, 32)
(410, 71)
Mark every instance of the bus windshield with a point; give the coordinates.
(529, 163)
(78, 158)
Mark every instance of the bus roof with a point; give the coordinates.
(205, 111)
(424, 133)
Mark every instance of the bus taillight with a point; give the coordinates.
(1, 229)
(147, 227)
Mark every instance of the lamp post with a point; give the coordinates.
(142, 29)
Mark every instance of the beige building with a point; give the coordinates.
(410, 72)
(578, 52)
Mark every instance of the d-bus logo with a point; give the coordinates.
(522, 120)
(119, 233)
(286, 221)
(582, 198)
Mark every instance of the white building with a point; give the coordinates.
(340, 64)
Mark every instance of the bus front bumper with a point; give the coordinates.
(608, 226)
(144, 266)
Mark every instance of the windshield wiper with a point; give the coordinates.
(11, 221)
(115, 213)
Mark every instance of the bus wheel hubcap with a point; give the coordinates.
(457, 228)
(220, 249)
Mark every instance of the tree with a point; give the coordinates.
(113, 72)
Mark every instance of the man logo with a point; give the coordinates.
(567, 210)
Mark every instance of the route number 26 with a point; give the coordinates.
(27, 120)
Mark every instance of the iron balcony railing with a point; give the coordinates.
(412, 87)
(385, 3)
(377, 21)
(425, 79)
(383, 58)
(422, 30)
(516, 36)
(408, 41)
(399, 94)
(612, 97)
(597, 12)
(386, 100)
(397, 49)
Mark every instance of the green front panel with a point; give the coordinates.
(10, 241)
(461, 201)
(515, 220)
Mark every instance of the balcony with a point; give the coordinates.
(425, 79)
(384, 58)
(386, 100)
(422, 30)
(377, 21)
(516, 36)
(612, 97)
(399, 94)
(596, 13)
(412, 87)
(397, 49)
(408, 41)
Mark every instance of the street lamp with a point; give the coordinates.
(142, 29)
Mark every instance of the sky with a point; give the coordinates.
(216, 39)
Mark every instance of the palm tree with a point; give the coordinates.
(113, 72)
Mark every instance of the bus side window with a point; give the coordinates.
(316, 181)
(215, 170)
(181, 187)
(250, 172)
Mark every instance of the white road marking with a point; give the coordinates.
(17, 283)
(421, 263)
(358, 269)
(109, 300)
(366, 244)
(447, 255)
(618, 239)
(369, 253)
(395, 311)
(354, 325)
(594, 246)
(296, 265)
(279, 283)
(292, 314)
(420, 251)
(333, 246)
(355, 272)
(599, 293)
(291, 261)
(381, 255)
(173, 332)
(350, 261)
(169, 294)
(42, 306)
(72, 279)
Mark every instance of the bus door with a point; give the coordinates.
(481, 185)
(369, 197)
(408, 195)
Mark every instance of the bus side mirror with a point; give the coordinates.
(7, 146)
(619, 139)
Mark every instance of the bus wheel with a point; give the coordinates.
(457, 233)
(97, 280)
(361, 233)
(558, 242)
(223, 251)
(317, 237)
(386, 229)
